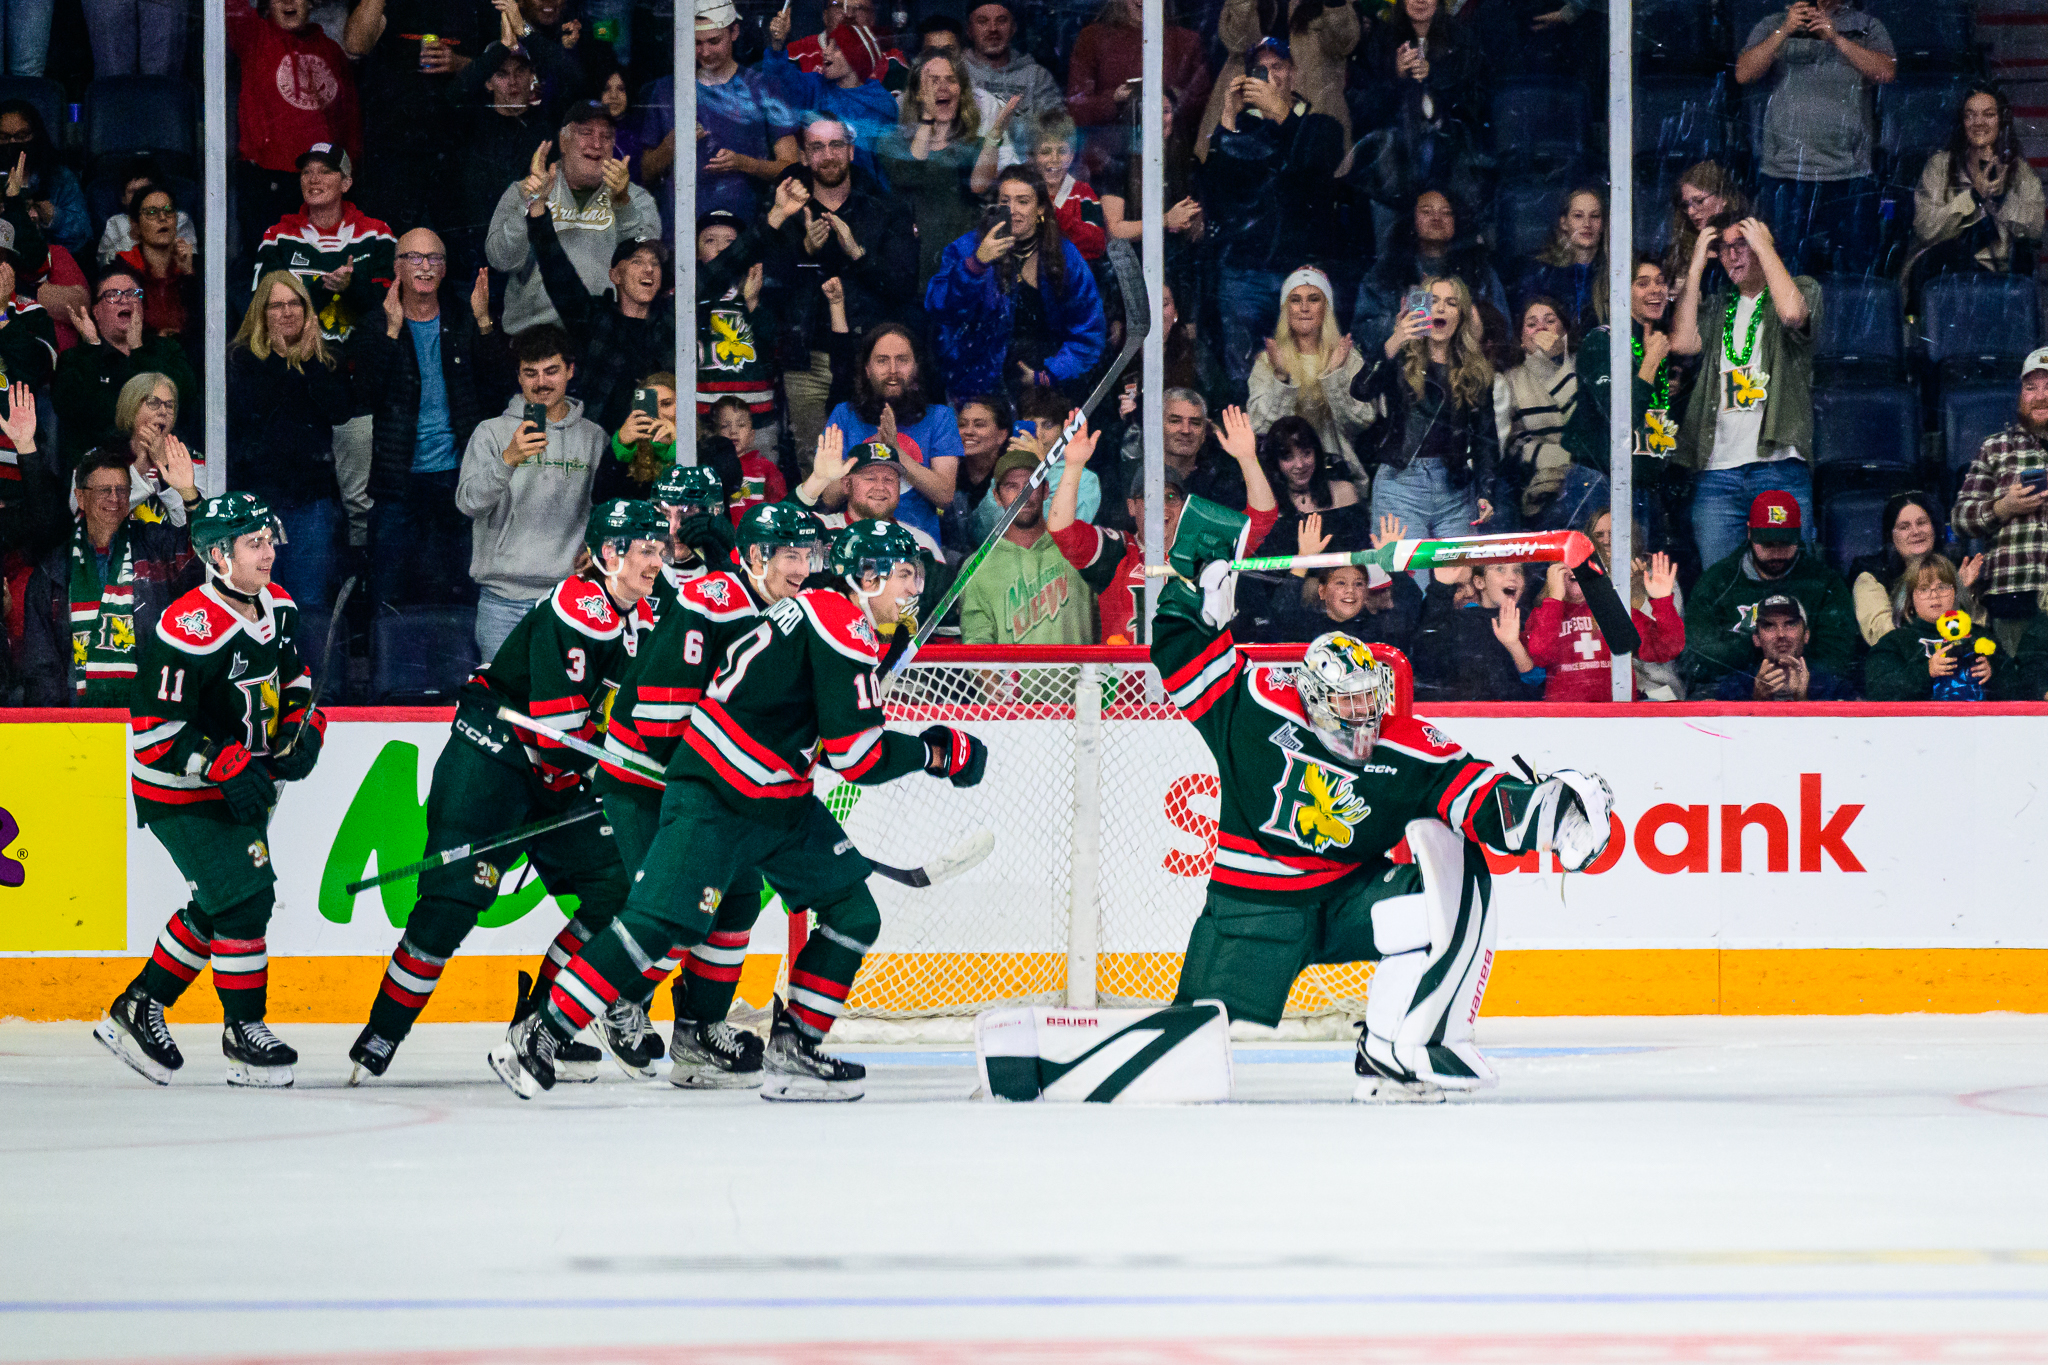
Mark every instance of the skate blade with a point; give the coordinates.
(811, 1090)
(1380, 1090)
(517, 1078)
(115, 1039)
(578, 1073)
(635, 1071)
(259, 1077)
(712, 1078)
(358, 1073)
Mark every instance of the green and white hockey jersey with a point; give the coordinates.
(800, 685)
(210, 677)
(651, 709)
(1295, 819)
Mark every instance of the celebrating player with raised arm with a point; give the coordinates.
(699, 532)
(1324, 776)
(557, 666)
(780, 545)
(801, 683)
(220, 713)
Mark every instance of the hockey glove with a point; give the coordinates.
(954, 755)
(1218, 582)
(1575, 823)
(305, 744)
(710, 534)
(242, 784)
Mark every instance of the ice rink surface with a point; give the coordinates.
(1653, 1190)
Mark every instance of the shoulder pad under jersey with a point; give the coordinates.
(720, 596)
(842, 625)
(1278, 696)
(586, 608)
(196, 623)
(1413, 735)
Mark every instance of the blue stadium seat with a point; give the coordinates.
(1677, 35)
(1849, 525)
(1980, 319)
(1681, 118)
(1653, 208)
(1969, 414)
(1865, 431)
(129, 114)
(1928, 33)
(1915, 115)
(46, 95)
(1543, 119)
(1526, 214)
(421, 655)
(1861, 328)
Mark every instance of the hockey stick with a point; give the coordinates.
(461, 851)
(326, 665)
(1137, 323)
(952, 863)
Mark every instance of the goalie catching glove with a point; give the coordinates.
(954, 755)
(1569, 814)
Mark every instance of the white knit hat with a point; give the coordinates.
(1308, 274)
(716, 14)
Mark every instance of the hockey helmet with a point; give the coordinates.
(774, 525)
(877, 547)
(688, 485)
(1347, 692)
(229, 517)
(622, 521)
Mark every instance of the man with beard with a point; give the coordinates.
(889, 406)
(2002, 499)
(1026, 593)
(1721, 613)
(850, 231)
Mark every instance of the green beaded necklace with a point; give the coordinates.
(1660, 391)
(1756, 320)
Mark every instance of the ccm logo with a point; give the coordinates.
(1062, 1021)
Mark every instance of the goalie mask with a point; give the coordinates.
(1347, 693)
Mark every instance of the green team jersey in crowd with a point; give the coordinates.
(652, 707)
(210, 677)
(800, 683)
(558, 666)
(1295, 819)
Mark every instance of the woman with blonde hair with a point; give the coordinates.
(1572, 270)
(1306, 371)
(1436, 442)
(161, 468)
(1707, 188)
(286, 394)
(939, 157)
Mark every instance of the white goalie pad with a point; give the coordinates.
(1176, 1055)
(1422, 1003)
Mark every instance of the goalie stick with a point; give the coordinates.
(962, 856)
(1137, 324)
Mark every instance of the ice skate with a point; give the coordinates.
(525, 1061)
(134, 1030)
(630, 1039)
(715, 1056)
(255, 1056)
(573, 1060)
(369, 1056)
(1387, 1090)
(795, 1069)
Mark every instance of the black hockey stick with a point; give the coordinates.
(1137, 322)
(461, 851)
(326, 665)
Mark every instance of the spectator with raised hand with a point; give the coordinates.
(501, 120)
(1979, 204)
(1437, 444)
(1776, 668)
(1038, 425)
(1004, 72)
(410, 53)
(744, 137)
(1369, 603)
(1572, 270)
(429, 375)
(1426, 242)
(809, 52)
(28, 336)
(1306, 371)
(1469, 648)
(1912, 530)
(735, 334)
(1773, 560)
(113, 348)
(1015, 306)
(594, 208)
(1543, 396)
(1565, 640)
(1194, 452)
(298, 89)
(162, 470)
(1819, 61)
(341, 254)
(643, 446)
(1416, 78)
(847, 86)
(55, 201)
(938, 158)
(844, 232)
(1308, 482)
(1913, 661)
(1053, 145)
(1269, 196)
(2004, 499)
(1026, 593)
(1662, 484)
(166, 264)
(1317, 40)
(891, 404)
(1748, 428)
(1705, 192)
(570, 60)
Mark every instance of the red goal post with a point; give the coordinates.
(1103, 804)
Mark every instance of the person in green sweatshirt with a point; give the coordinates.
(1720, 615)
(1026, 593)
(1922, 661)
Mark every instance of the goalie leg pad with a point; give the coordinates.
(1176, 1055)
(1434, 1039)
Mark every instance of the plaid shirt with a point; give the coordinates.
(2018, 561)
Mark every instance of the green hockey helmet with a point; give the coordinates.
(622, 521)
(773, 525)
(873, 547)
(225, 519)
(688, 485)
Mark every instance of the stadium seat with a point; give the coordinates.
(1677, 35)
(1982, 320)
(1915, 115)
(1680, 118)
(1653, 208)
(1928, 34)
(46, 95)
(421, 655)
(129, 114)
(1526, 214)
(1543, 119)
(1969, 414)
(1862, 333)
(1865, 434)
(1849, 525)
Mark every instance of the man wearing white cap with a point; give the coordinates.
(2005, 499)
(749, 132)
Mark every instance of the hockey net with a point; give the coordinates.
(1103, 802)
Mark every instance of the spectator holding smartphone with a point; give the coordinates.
(2002, 500)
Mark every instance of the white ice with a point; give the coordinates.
(1753, 1190)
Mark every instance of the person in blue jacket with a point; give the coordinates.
(1013, 306)
(848, 89)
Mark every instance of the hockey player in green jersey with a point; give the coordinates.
(801, 683)
(699, 531)
(558, 667)
(1325, 776)
(219, 714)
(780, 545)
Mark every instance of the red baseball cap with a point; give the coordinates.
(1774, 519)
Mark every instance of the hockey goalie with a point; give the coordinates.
(1326, 778)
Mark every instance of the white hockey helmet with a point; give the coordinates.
(1347, 693)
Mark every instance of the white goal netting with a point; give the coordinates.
(1103, 803)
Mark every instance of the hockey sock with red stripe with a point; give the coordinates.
(616, 962)
(566, 945)
(409, 981)
(241, 974)
(711, 974)
(822, 975)
(181, 953)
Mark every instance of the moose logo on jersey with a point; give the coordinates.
(1314, 806)
(732, 346)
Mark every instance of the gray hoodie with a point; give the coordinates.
(527, 523)
(588, 235)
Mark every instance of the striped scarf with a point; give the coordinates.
(102, 620)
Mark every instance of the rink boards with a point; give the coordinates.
(1843, 859)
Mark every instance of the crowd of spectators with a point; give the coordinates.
(450, 269)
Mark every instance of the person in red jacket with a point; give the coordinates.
(297, 89)
(1075, 206)
(1564, 641)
